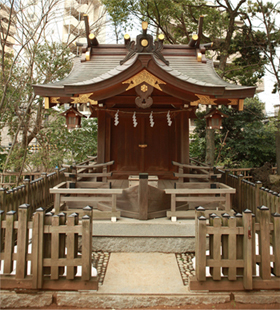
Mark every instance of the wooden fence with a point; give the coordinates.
(250, 195)
(238, 246)
(10, 179)
(35, 193)
(46, 255)
(246, 172)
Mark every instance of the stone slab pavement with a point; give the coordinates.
(142, 273)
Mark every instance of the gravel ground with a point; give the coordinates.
(184, 261)
(100, 261)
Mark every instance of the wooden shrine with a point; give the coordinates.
(144, 94)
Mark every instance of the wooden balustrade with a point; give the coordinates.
(40, 259)
(250, 195)
(10, 179)
(35, 193)
(237, 244)
(217, 193)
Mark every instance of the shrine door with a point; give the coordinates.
(143, 148)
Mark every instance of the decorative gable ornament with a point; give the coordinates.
(214, 119)
(73, 118)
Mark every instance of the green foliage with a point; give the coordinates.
(250, 140)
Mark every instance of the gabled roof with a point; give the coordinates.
(104, 67)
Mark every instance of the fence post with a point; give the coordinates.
(9, 242)
(3, 198)
(88, 211)
(225, 245)
(37, 249)
(232, 248)
(257, 196)
(276, 242)
(45, 190)
(217, 247)
(143, 191)
(1, 234)
(27, 190)
(86, 247)
(22, 241)
(200, 262)
(72, 240)
(247, 250)
(55, 248)
(264, 243)
(239, 192)
(47, 242)
(57, 175)
(239, 245)
(62, 241)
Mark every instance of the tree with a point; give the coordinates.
(246, 140)
(36, 59)
(223, 21)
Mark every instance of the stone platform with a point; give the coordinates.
(155, 235)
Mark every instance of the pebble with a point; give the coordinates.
(185, 264)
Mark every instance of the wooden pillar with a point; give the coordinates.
(184, 137)
(101, 135)
(9, 242)
(86, 247)
(276, 242)
(143, 192)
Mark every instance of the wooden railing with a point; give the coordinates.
(250, 195)
(246, 172)
(10, 179)
(200, 193)
(44, 264)
(194, 172)
(238, 246)
(35, 193)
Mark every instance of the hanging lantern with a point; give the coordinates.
(214, 119)
(73, 118)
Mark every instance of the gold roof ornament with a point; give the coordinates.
(203, 100)
(84, 98)
(55, 100)
(144, 76)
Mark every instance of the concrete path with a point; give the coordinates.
(142, 273)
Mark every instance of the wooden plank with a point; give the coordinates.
(264, 243)
(47, 243)
(224, 263)
(93, 184)
(232, 249)
(62, 241)
(217, 248)
(86, 191)
(109, 163)
(276, 242)
(9, 242)
(86, 247)
(200, 261)
(191, 166)
(82, 198)
(22, 241)
(105, 215)
(55, 248)
(37, 249)
(71, 253)
(247, 250)
(199, 191)
(89, 174)
(201, 199)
